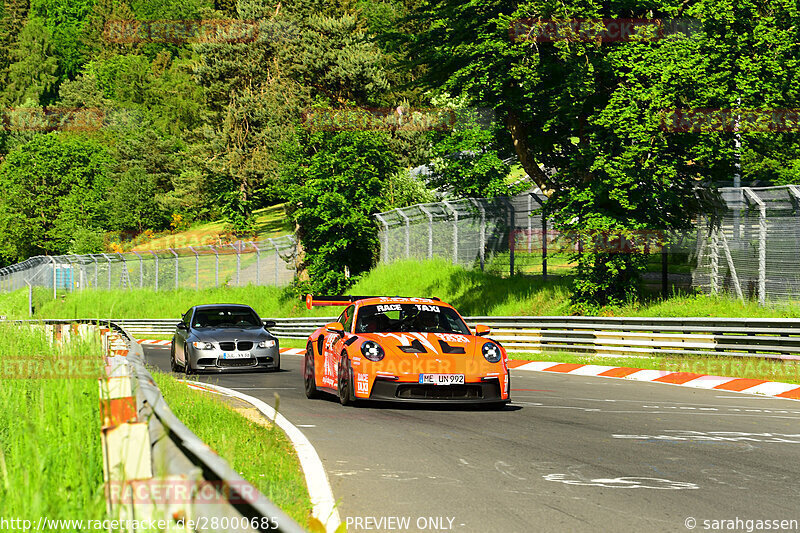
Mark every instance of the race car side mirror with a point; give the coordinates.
(481, 330)
(335, 327)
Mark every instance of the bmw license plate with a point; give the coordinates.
(236, 355)
(441, 379)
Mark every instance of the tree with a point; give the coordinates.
(54, 186)
(32, 75)
(339, 183)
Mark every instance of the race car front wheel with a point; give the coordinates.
(345, 388)
(308, 373)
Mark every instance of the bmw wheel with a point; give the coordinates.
(173, 365)
(187, 361)
(308, 373)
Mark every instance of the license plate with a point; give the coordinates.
(236, 355)
(441, 379)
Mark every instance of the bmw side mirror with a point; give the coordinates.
(181, 325)
(269, 324)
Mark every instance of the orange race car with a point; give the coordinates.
(403, 349)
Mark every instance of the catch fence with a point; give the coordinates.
(265, 262)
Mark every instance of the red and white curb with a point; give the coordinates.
(156, 342)
(761, 387)
(293, 351)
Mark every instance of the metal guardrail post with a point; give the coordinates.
(455, 231)
(196, 269)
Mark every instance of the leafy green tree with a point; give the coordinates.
(340, 180)
(54, 186)
(32, 76)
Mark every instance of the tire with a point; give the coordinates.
(187, 362)
(345, 384)
(309, 381)
(173, 364)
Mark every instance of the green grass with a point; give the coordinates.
(472, 292)
(262, 456)
(269, 222)
(738, 367)
(50, 453)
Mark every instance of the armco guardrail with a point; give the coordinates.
(773, 338)
(178, 454)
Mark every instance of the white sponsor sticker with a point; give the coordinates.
(389, 307)
(423, 307)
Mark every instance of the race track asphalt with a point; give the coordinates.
(570, 453)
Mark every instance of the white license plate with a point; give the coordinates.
(236, 355)
(441, 379)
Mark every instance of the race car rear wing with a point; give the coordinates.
(319, 301)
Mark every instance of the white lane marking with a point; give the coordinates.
(306, 425)
(622, 482)
(319, 489)
(718, 436)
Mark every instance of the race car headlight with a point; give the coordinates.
(266, 344)
(372, 350)
(491, 352)
(203, 345)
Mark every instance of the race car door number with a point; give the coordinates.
(236, 355)
(441, 379)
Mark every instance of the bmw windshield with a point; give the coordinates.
(225, 317)
(424, 318)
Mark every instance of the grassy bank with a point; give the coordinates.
(50, 454)
(473, 292)
(263, 456)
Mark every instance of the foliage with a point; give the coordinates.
(340, 181)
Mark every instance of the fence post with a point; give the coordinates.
(762, 244)
(141, 269)
(512, 224)
(236, 249)
(544, 247)
(196, 269)
(108, 260)
(55, 295)
(258, 263)
(385, 238)
(156, 266)
(175, 254)
(430, 230)
(714, 259)
(481, 232)
(124, 275)
(455, 232)
(408, 232)
(216, 265)
(530, 230)
(275, 245)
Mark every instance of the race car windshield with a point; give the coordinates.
(223, 317)
(423, 318)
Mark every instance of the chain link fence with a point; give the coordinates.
(751, 249)
(266, 262)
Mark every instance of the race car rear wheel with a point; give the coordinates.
(308, 373)
(345, 387)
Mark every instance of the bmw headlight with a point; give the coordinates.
(203, 345)
(491, 352)
(266, 344)
(372, 350)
